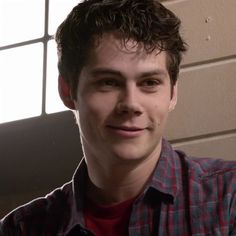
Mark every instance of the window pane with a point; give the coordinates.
(58, 10)
(21, 20)
(53, 101)
(21, 82)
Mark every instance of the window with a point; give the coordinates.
(28, 59)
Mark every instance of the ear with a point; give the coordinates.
(174, 97)
(65, 93)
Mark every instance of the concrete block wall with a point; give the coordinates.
(204, 122)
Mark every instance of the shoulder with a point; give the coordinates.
(210, 167)
(207, 174)
(210, 187)
(204, 167)
(197, 172)
(41, 212)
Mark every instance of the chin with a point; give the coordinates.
(128, 155)
(136, 153)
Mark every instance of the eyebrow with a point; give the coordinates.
(108, 71)
(104, 71)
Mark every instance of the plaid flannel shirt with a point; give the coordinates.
(185, 196)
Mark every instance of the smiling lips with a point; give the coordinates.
(126, 131)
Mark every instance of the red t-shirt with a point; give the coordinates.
(108, 220)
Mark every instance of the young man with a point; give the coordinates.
(118, 65)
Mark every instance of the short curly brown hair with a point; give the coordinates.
(145, 21)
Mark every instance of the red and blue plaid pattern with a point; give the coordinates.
(185, 196)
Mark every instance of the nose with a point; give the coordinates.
(128, 102)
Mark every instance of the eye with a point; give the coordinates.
(150, 84)
(107, 84)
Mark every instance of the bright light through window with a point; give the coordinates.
(21, 20)
(23, 41)
(58, 10)
(21, 82)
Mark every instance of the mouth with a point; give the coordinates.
(126, 128)
(126, 131)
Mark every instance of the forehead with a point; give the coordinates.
(113, 48)
(118, 41)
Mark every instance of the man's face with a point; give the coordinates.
(123, 100)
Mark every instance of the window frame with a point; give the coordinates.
(44, 40)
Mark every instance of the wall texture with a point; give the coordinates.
(204, 122)
(39, 154)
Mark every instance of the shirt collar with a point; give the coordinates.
(165, 179)
(167, 175)
(77, 197)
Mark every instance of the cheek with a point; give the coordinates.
(97, 108)
(160, 111)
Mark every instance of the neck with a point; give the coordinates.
(119, 182)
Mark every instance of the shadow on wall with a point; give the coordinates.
(37, 155)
